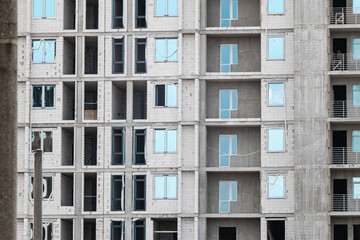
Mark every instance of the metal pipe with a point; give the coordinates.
(38, 186)
(8, 118)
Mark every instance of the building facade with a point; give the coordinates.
(190, 119)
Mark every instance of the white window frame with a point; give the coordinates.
(231, 102)
(165, 140)
(268, 138)
(231, 55)
(230, 194)
(42, 96)
(268, 184)
(231, 11)
(52, 187)
(42, 132)
(166, 93)
(166, 10)
(356, 181)
(268, 94)
(44, 11)
(42, 41)
(230, 149)
(165, 187)
(166, 57)
(267, 9)
(267, 47)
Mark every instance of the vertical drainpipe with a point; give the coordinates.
(8, 118)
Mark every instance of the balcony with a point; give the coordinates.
(344, 62)
(344, 15)
(345, 203)
(345, 155)
(344, 109)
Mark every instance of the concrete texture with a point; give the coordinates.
(8, 118)
(245, 228)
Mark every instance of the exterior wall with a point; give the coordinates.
(245, 228)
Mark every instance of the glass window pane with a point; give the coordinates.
(225, 54)
(35, 141)
(224, 207)
(234, 94)
(276, 140)
(356, 49)
(225, 23)
(172, 7)
(50, 8)
(225, 68)
(224, 191)
(356, 6)
(38, 51)
(159, 185)
(275, 47)
(225, 114)
(235, 9)
(224, 161)
(37, 96)
(234, 54)
(49, 51)
(224, 145)
(171, 95)
(233, 191)
(356, 141)
(224, 99)
(234, 144)
(171, 140)
(47, 141)
(357, 191)
(160, 95)
(172, 50)
(49, 96)
(171, 186)
(275, 6)
(160, 52)
(356, 95)
(225, 10)
(275, 186)
(160, 8)
(159, 141)
(276, 94)
(38, 8)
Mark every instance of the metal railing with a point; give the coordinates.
(344, 62)
(345, 203)
(344, 109)
(345, 155)
(344, 15)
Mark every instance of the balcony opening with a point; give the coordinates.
(69, 14)
(276, 230)
(67, 147)
(339, 3)
(67, 229)
(339, 61)
(340, 232)
(68, 112)
(90, 146)
(339, 105)
(92, 11)
(90, 192)
(119, 100)
(91, 94)
(67, 189)
(227, 233)
(165, 229)
(356, 231)
(339, 195)
(69, 55)
(339, 142)
(139, 103)
(91, 55)
(89, 229)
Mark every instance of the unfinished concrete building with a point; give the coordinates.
(190, 119)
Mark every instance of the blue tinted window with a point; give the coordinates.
(233, 191)
(172, 7)
(50, 8)
(234, 94)
(225, 100)
(225, 54)
(38, 8)
(172, 50)
(234, 9)
(228, 12)
(224, 191)
(159, 141)
(275, 6)
(160, 52)
(159, 187)
(171, 141)
(228, 56)
(171, 95)
(356, 95)
(227, 193)
(356, 6)
(233, 144)
(49, 51)
(276, 94)
(275, 48)
(224, 151)
(356, 48)
(276, 188)
(38, 51)
(171, 186)
(276, 140)
(228, 102)
(356, 141)
(356, 188)
(160, 8)
(234, 54)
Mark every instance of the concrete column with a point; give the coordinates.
(37, 185)
(129, 100)
(8, 118)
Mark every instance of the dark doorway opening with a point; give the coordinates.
(356, 232)
(276, 230)
(339, 105)
(340, 232)
(339, 147)
(227, 233)
(340, 195)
